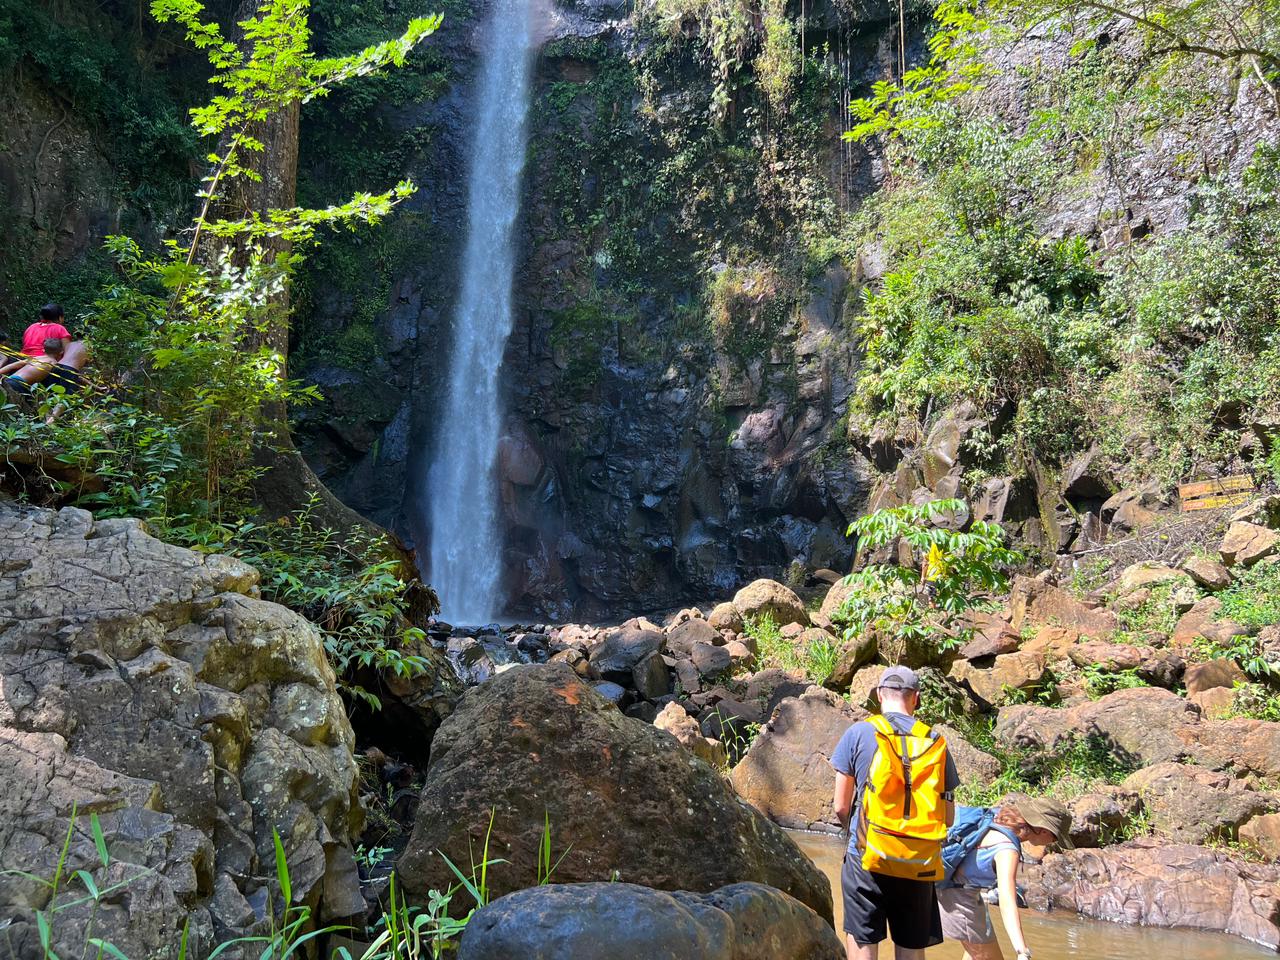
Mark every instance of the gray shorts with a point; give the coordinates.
(965, 916)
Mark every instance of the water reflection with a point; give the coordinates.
(1058, 937)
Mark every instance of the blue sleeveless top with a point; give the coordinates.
(978, 869)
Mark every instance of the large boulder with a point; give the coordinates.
(855, 654)
(536, 744)
(991, 636)
(1146, 882)
(683, 638)
(1207, 572)
(762, 598)
(1148, 574)
(1034, 602)
(1242, 744)
(1190, 804)
(787, 774)
(828, 613)
(1262, 834)
(1213, 673)
(1008, 673)
(725, 616)
(973, 765)
(1247, 543)
(1145, 725)
(146, 683)
(1201, 623)
(1098, 817)
(608, 921)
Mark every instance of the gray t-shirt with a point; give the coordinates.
(854, 752)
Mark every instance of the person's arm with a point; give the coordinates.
(10, 367)
(843, 800)
(1007, 884)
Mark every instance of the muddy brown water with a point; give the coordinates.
(1059, 936)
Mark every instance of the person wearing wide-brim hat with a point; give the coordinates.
(993, 864)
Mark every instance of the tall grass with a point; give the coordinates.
(403, 932)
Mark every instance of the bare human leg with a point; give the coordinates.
(983, 951)
(856, 951)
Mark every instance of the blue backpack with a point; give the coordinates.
(963, 837)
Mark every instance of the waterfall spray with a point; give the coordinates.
(466, 541)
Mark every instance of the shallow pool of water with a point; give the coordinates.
(1058, 936)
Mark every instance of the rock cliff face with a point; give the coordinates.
(673, 397)
(94, 143)
(680, 374)
(147, 685)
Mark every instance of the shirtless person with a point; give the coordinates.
(21, 375)
(67, 373)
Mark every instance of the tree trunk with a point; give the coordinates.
(286, 483)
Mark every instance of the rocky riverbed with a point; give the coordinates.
(149, 686)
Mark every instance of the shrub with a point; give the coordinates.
(903, 606)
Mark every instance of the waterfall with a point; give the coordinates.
(466, 542)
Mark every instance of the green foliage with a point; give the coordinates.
(1153, 353)
(1152, 620)
(190, 336)
(1178, 36)
(911, 104)
(1099, 680)
(779, 63)
(98, 65)
(905, 606)
(816, 658)
(1090, 575)
(1073, 768)
(1253, 601)
(728, 36)
(1255, 701)
(401, 932)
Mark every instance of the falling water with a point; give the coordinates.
(466, 543)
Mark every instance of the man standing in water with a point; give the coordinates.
(877, 905)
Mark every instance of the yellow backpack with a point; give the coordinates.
(903, 820)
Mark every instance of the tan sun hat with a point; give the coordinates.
(1045, 814)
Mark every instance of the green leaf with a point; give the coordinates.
(282, 869)
(111, 950)
(99, 841)
(89, 885)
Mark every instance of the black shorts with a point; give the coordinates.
(909, 908)
(69, 378)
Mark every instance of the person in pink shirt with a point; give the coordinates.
(48, 327)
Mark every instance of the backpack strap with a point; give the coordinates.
(921, 729)
(882, 725)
